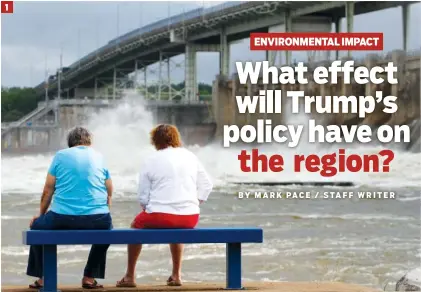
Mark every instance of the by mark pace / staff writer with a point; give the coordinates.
(315, 195)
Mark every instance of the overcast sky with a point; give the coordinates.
(33, 34)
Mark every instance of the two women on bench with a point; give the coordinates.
(172, 184)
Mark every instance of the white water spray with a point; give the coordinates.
(122, 135)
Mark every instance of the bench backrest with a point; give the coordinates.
(146, 236)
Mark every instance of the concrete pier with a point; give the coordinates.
(267, 287)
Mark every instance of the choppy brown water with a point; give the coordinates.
(370, 242)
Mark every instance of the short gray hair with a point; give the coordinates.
(79, 136)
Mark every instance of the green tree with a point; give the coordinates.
(17, 102)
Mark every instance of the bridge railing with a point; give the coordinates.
(61, 102)
(108, 102)
(42, 105)
(6, 125)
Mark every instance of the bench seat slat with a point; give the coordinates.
(146, 236)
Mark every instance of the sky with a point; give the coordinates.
(32, 37)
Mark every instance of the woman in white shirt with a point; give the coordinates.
(172, 185)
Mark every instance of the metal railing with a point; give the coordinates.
(42, 106)
(108, 102)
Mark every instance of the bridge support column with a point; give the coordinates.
(166, 67)
(160, 76)
(398, 58)
(49, 140)
(288, 28)
(18, 138)
(349, 12)
(273, 56)
(164, 61)
(337, 30)
(190, 73)
(224, 54)
(370, 62)
(135, 76)
(405, 25)
(96, 88)
(56, 114)
(270, 57)
(168, 61)
(114, 82)
(145, 81)
(144, 85)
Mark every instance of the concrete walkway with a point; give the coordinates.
(268, 287)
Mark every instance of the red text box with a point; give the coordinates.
(6, 6)
(319, 41)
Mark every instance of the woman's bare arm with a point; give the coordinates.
(47, 194)
(110, 188)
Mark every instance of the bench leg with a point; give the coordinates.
(50, 268)
(234, 266)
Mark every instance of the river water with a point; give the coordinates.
(368, 242)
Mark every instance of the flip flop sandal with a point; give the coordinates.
(125, 284)
(94, 285)
(172, 282)
(36, 285)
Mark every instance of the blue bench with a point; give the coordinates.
(232, 237)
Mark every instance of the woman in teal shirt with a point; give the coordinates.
(79, 188)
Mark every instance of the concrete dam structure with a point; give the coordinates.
(201, 122)
(46, 129)
(407, 91)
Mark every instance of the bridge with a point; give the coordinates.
(102, 77)
(123, 62)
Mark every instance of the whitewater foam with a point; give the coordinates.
(122, 135)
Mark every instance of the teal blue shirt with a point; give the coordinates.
(80, 182)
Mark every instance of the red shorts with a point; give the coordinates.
(164, 221)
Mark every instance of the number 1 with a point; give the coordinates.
(6, 6)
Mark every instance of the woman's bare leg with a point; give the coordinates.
(133, 252)
(177, 255)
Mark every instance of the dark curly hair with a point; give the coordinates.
(164, 136)
(79, 136)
